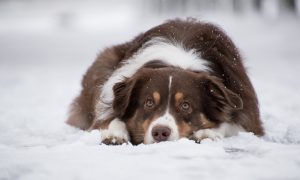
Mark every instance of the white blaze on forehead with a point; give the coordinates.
(169, 95)
(170, 82)
(166, 120)
(158, 48)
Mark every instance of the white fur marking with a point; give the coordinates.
(172, 53)
(166, 120)
(169, 95)
(116, 129)
(170, 82)
(224, 130)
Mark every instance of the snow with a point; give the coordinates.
(40, 72)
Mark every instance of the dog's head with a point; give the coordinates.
(167, 103)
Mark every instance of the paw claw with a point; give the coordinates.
(198, 141)
(114, 141)
(199, 135)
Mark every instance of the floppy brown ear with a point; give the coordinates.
(122, 94)
(222, 101)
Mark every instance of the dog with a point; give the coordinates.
(180, 79)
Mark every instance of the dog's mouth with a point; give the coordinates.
(162, 129)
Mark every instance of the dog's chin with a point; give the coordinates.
(152, 141)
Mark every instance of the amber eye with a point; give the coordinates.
(149, 103)
(185, 106)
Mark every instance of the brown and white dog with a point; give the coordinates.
(183, 78)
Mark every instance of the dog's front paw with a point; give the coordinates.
(115, 134)
(199, 135)
(114, 141)
(109, 137)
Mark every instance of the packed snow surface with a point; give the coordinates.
(40, 73)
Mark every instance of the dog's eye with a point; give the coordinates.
(149, 103)
(185, 106)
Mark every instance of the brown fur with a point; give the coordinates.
(82, 113)
(206, 123)
(185, 130)
(229, 93)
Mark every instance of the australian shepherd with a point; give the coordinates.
(181, 79)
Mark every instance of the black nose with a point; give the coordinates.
(161, 133)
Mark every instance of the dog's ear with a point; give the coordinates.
(221, 100)
(122, 95)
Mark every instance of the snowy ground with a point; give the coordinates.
(40, 73)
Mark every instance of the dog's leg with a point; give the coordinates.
(224, 130)
(113, 132)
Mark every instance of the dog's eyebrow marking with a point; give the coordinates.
(156, 97)
(178, 96)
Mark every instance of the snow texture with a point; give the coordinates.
(40, 72)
